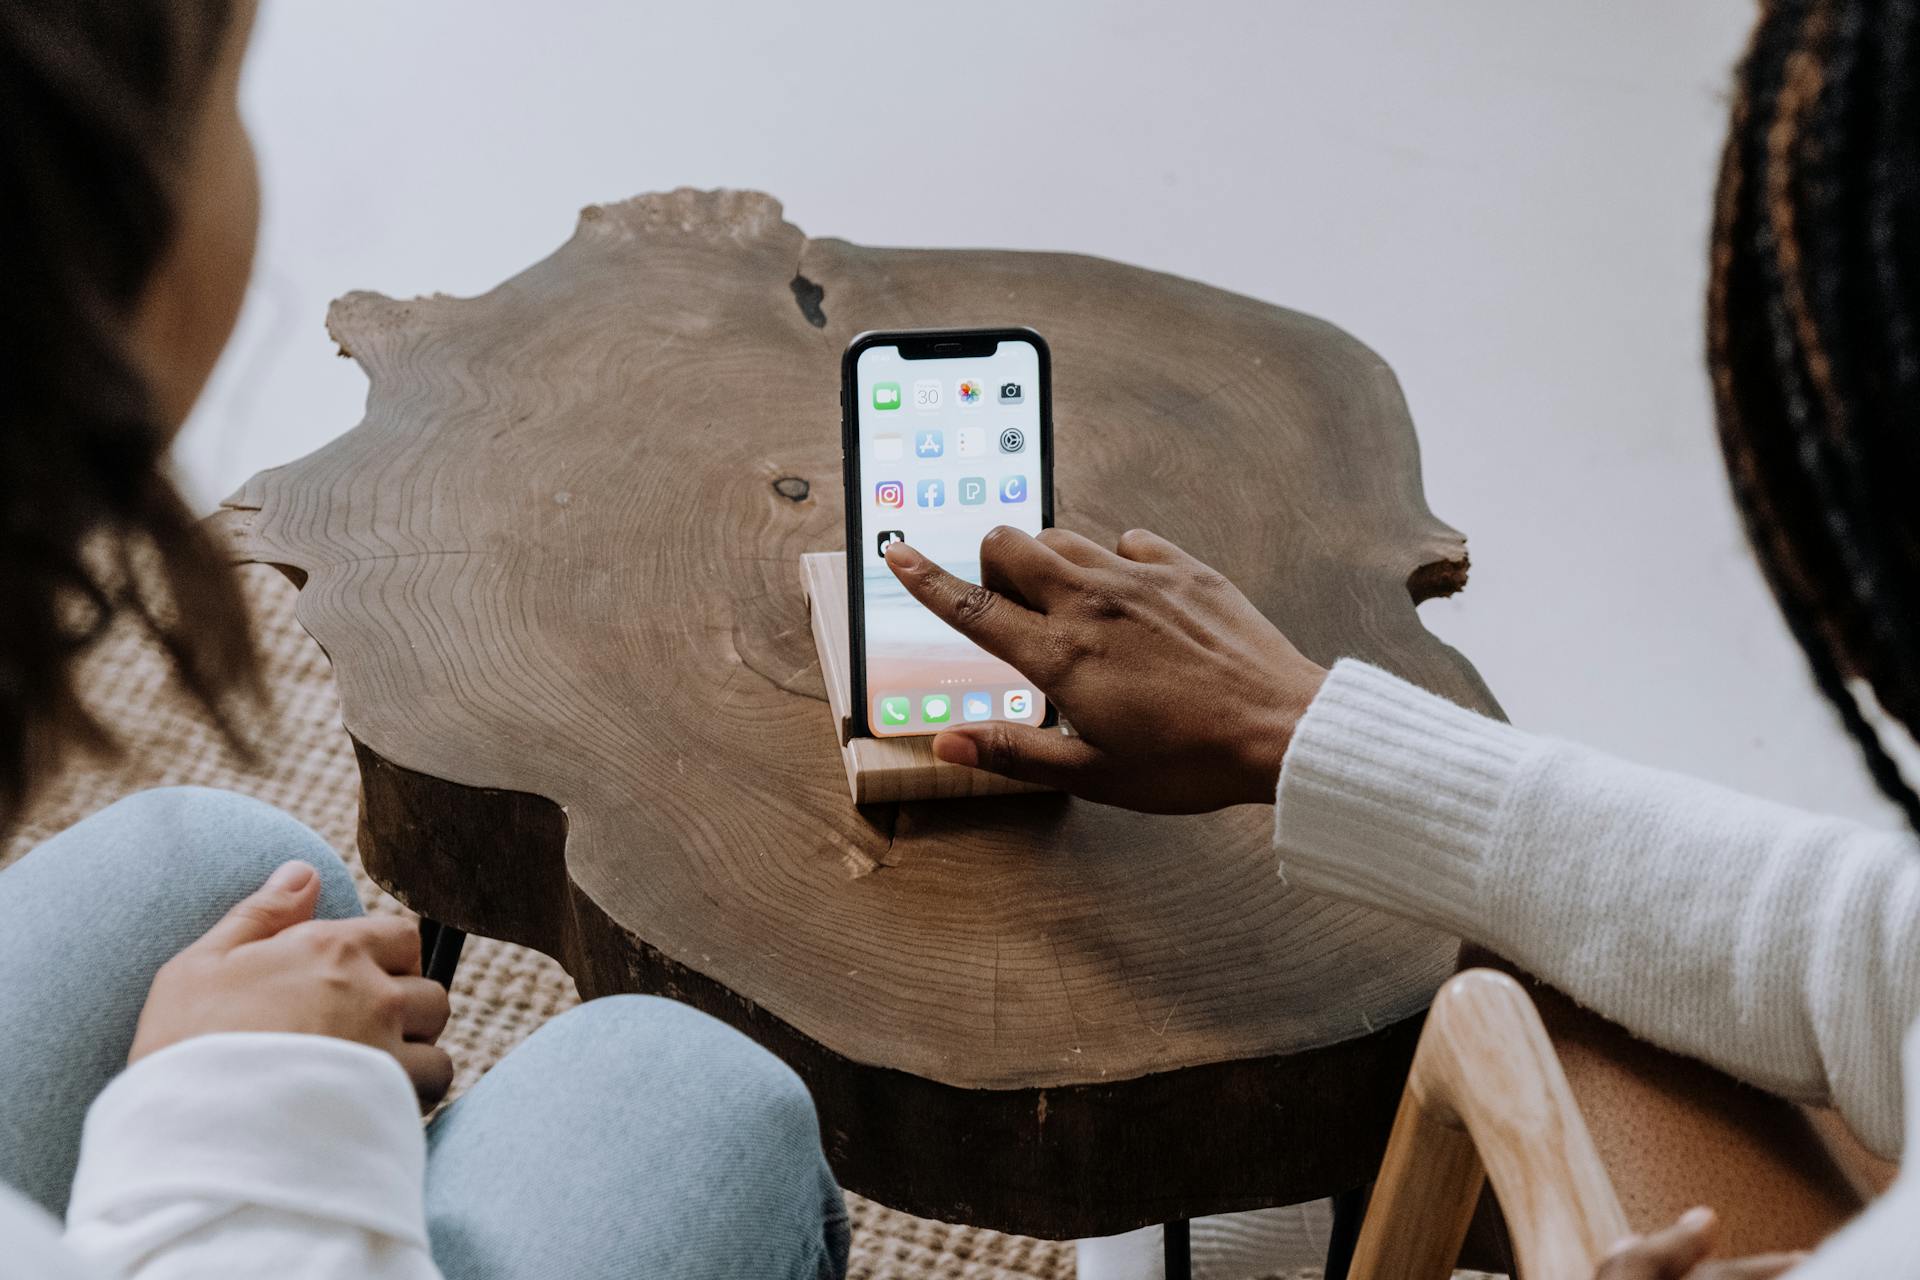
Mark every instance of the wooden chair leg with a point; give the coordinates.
(1486, 1099)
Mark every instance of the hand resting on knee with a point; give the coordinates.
(270, 966)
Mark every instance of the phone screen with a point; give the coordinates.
(946, 450)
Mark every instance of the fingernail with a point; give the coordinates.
(902, 556)
(292, 877)
(1697, 1218)
(957, 748)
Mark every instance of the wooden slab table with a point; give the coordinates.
(555, 570)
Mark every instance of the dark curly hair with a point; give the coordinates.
(99, 100)
(1812, 336)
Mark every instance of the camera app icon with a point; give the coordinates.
(1012, 393)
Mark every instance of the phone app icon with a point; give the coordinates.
(1012, 393)
(926, 393)
(888, 537)
(1018, 704)
(1012, 440)
(931, 493)
(970, 442)
(968, 390)
(890, 493)
(975, 705)
(895, 711)
(888, 449)
(1013, 489)
(886, 395)
(929, 444)
(973, 490)
(936, 708)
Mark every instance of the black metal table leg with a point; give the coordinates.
(1349, 1211)
(440, 946)
(1178, 1239)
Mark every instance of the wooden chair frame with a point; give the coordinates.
(1487, 1099)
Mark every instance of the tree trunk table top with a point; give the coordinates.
(555, 568)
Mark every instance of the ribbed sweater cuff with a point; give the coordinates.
(1391, 797)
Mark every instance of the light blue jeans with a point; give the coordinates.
(629, 1137)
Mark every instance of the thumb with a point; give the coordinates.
(1668, 1254)
(1021, 752)
(286, 899)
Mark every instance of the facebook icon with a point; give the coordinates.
(931, 493)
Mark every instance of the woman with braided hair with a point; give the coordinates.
(1780, 946)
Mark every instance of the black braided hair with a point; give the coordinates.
(1811, 335)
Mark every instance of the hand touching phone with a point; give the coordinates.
(1183, 695)
(270, 966)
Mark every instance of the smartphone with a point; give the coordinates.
(946, 434)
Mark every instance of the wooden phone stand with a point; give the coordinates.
(879, 769)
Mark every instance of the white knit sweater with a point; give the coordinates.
(1780, 946)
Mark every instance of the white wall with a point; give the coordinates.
(1508, 200)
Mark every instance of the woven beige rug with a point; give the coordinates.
(502, 992)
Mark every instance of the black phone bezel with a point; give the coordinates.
(919, 344)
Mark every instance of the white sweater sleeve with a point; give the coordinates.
(1781, 946)
(253, 1154)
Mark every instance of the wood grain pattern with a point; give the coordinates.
(554, 568)
(879, 770)
(1487, 1101)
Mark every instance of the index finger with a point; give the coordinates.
(1009, 631)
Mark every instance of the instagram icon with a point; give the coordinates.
(890, 493)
